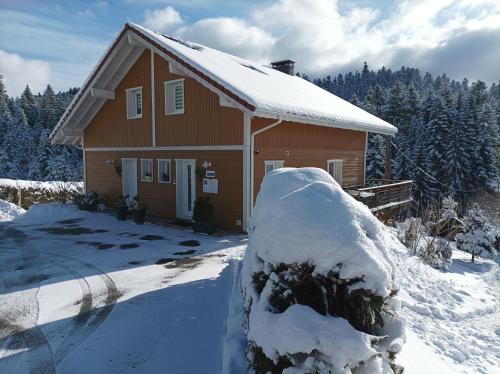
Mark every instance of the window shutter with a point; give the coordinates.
(130, 104)
(138, 103)
(174, 97)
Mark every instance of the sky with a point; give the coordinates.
(59, 42)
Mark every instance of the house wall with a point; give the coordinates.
(204, 121)
(300, 145)
(161, 197)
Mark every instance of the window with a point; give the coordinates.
(174, 96)
(334, 168)
(147, 170)
(271, 165)
(134, 103)
(164, 171)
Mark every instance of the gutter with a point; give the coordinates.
(252, 158)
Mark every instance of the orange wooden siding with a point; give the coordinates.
(161, 197)
(204, 121)
(110, 127)
(300, 145)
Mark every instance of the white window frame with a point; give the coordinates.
(169, 170)
(277, 164)
(150, 160)
(134, 90)
(166, 88)
(335, 163)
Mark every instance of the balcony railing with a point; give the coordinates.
(380, 194)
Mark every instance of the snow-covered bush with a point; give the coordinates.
(446, 224)
(436, 252)
(479, 237)
(87, 201)
(318, 280)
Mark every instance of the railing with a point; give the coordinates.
(382, 194)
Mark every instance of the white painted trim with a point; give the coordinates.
(173, 83)
(169, 160)
(132, 39)
(175, 70)
(142, 101)
(252, 163)
(84, 171)
(123, 179)
(152, 170)
(274, 163)
(226, 103)
(103, 94)
(153, 100)
(178, 182)
(236, 147)
(247, 163)
(70, 132)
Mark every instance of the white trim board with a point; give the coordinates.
(236, 147)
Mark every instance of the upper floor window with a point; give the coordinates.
(274, 164)
(134, 103)
(174, 96)
(334, 168)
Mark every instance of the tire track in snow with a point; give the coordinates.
(29, 336)
(85, 325)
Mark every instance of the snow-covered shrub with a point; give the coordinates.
(318, 280)
(447, 224)
(478, 237)
(436, 252)
(87, 201)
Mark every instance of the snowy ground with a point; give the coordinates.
(70, 305)
(66, 305)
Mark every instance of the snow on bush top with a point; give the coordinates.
(9, 211)
(50, 212)
(37, 185)
(342, 234)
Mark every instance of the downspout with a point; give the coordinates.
(252, 158)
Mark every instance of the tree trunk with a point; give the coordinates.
(388, 145)
(472, 256)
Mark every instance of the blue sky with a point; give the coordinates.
(58, 42)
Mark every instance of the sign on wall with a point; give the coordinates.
(210, 173)
(210, 185)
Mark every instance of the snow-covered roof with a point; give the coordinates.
(263, 91)
(270, 91)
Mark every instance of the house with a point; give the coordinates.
(169, 120)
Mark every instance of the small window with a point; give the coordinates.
(274, 164)
(134, 103)
(147, 170)
(174, 96)
(334, 168)
(164, 171)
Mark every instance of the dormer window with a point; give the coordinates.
(174, 96)
(134, 102)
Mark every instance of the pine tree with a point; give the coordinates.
(29, 106)
(477, 237)
(375, 100)
(375, 157)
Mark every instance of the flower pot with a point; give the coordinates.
(204, 228)
(121, 212)
(139, 215)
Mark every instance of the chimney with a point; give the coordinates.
(285, 66)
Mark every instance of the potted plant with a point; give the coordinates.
(203, 216)
(121, 208)
(138, 211)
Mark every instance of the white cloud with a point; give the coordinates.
(18, 72)
(87, 13)
(162, 20)
(231, 35)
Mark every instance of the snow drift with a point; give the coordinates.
(318, 279)
(9, 211)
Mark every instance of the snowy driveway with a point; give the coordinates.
(82, 293)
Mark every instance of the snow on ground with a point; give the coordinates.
(9, 211)
(80, 292)
(49, 185)
(453, 318)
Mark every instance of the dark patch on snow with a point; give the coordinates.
(187, 263)
(67, 230)
(151, 237)
(100, 231)
(20, 267)
(162, 261)
(183, 253)
(190, 243)
(104, 246)
(135, 262)
(69, 221)
(182, 223)
(37, 278)
(129, 245)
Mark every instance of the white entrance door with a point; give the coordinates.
(129, 178)
(186, 187)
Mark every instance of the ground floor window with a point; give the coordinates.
(164, 171)
(270, 165)
(334, 168)
(146, 170)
